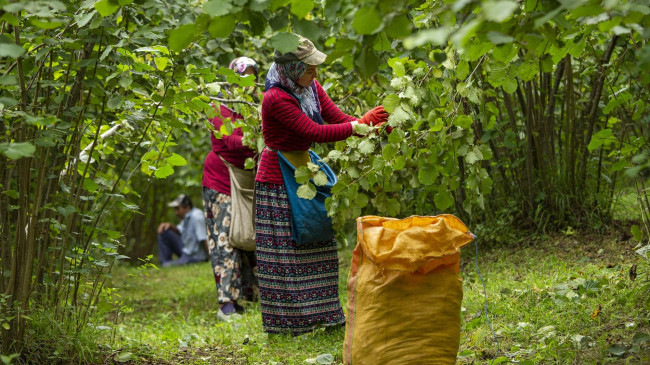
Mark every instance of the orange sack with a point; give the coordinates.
(405, 291)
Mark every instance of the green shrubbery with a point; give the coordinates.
(513, 115)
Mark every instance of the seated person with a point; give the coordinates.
(188, 240)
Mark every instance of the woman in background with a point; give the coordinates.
(234, 269)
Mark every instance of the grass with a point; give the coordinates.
(558, 300)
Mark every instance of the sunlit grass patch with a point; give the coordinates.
(566, 299)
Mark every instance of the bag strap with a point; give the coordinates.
(231, 166)
(228, 164)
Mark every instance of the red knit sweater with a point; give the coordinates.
(215, 172)
(287, 128)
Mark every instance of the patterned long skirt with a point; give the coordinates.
(235, 270)
(298, 283)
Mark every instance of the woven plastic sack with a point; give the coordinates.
(405, 291)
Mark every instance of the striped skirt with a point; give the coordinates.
(298, 283)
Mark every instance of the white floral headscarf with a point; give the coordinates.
(240, 64)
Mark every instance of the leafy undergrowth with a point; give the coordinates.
(567, 300)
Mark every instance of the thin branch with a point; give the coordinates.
(233, 101)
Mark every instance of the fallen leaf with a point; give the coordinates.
(640, 338)
(617, 350)
(123, 356)
(596, 312)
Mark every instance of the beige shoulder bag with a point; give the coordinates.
(242, 193)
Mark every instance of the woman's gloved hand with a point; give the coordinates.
(375, 116)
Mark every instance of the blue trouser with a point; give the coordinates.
(169, 243)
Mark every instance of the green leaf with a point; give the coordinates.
(325, 359)
(499, 38)
(391, 102)
(302, 175)
(435, 37)
(399, 163)
(505, 53)
(301, 8)
(10, 19)
(640, 338)
(221, 27)
(399, 27)
(462, 70)
(126, 81)
(124, 356)
(498, 11)
(471, 157)
(617, 350)
(8, 80)
(396, 136)
(528, 70)
(361, 200)
(307, 191)
(17, 150)
(397, 66)
(509, 85)
(362, 129)
(308, 29)
(164, 171)
(320, 178)
(277, 4)
(66, 211)
(367, 62)
(90, 185)
(637, 233)
(600, 138)
(249, 164)
(259, 5)
(389, 151)
(463, 121)
(366, 146)
(427, 174)
(106, 7)
(176, 160)
(11, 50)
(12, 194)
(8, 102)
(367, 21)
(45, 25)
(217, 7)
(619, 165)
(181, 37)
(161, 62)
(550, 15)
(284, 42)
(436, 124)
(399, 116)
(443, 200)
(115, 102)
